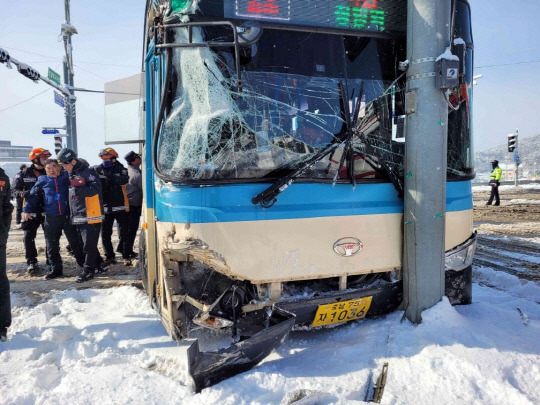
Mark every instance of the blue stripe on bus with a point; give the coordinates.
(232, 203)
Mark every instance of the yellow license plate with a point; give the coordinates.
(342, 311)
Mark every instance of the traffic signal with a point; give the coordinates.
(512, 142)
(28, 71)
(4, 56)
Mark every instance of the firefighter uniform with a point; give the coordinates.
(495, 182)
(86, 205)
(5, 222)
(114, 178)
(23, 183)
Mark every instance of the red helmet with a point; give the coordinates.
(108, 151)
(39, 153)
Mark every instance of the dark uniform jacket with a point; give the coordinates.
(134, 186)
(5, 206)
(114, 180)
(85, 201)
(25, 180)
(55, 195)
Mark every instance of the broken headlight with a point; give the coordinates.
(461, 257)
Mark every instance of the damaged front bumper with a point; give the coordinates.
(260, 326)
(209, 368)
(458, 272)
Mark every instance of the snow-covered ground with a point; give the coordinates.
(107, 346)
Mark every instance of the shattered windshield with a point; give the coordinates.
(288, 108)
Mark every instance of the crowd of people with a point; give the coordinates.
(67, 195)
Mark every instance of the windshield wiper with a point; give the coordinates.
(381, 166)
(348, 152)
(267, 198)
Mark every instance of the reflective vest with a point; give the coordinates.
(496, 174)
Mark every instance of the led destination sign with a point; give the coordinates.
(384, 16)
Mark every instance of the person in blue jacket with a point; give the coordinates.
(54, 187)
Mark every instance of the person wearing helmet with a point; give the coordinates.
(86, 208)
(495, 182)
(23, 183)
(54, 189)
(114, 178)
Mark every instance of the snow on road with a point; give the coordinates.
(107, 346)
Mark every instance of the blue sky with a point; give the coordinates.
(109, 45)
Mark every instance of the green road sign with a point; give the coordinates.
(53, 76)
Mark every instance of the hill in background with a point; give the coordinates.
(529, 152)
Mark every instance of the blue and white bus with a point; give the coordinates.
(273, 162)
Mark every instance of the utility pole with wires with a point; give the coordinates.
(71, 122)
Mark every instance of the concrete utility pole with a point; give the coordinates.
(71, 123)
(428, 35)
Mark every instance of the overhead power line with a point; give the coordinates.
(508, 64)
(56, 59)
(24, 101)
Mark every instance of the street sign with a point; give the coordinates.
(59, 99)
(49, 131)
(53, 76)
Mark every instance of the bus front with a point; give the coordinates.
(276, 138)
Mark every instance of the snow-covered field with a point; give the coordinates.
(107, 346)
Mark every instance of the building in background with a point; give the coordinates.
(12, 156)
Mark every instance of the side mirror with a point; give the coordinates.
(249, 32)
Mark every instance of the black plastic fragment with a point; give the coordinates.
(209, 368)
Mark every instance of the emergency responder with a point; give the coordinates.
(18, 198)
(5, 222)
(55, 190)
(114, 177)
(495, 182)
(86, 206)
(23, 185)
(135, 196)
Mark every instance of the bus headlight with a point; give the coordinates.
(461, 257)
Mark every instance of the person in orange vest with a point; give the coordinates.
(495, 182)
(114, 178)
(86, 209)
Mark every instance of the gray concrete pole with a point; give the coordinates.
(67, 110)
(428, 35)
(67, 33)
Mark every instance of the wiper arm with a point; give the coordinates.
(267, 198)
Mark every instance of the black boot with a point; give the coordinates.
(101, 268)
(54, 274)
(32, 269)
(3, 334)
(87, 274)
